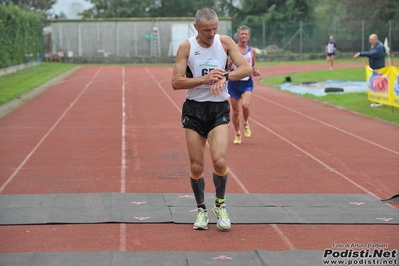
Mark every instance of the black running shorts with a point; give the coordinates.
(202, 117)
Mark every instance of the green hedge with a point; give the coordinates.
(21, 34)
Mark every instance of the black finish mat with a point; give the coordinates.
(252, 258)
(393, 199)
(89, 208)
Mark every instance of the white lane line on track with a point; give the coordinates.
(122, 226)
(327, 124)
(21, 165)
(123, 134)
(319, 161)
(275, 227)
(314, 158)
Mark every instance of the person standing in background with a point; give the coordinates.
(241, 90)
(331, 46)
(376, 55)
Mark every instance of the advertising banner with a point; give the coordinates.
(383, 85)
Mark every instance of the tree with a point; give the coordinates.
(372, 10)
(156, 8)
(179, 8)
(277, 10)
(348, 16)
(358, 9)
(299, 10)
(62, 15)
(118, 9)
(32, 5)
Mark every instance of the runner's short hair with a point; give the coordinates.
(241, 28)
(205, 14)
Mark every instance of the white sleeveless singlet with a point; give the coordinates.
(200, 62)
(248, 58)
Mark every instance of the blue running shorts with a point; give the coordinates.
(237, 88)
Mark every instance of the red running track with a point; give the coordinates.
(117, 129)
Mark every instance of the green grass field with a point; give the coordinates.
(14, 85)
(356, 102)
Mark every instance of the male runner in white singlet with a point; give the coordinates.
(201, 69)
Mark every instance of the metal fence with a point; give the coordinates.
(311, 37)
(121, 39)
(158, 38)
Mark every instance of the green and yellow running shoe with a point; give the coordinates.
(202, 220)
(223, 221)
(247, 131)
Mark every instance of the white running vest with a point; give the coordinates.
(200, 62)
(248, 58)
(330, 47)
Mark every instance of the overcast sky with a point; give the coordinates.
(70, 8)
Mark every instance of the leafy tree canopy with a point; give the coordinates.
(275, 10)
(32, 5)
(154, 8)
(383, 10)
(271, 10)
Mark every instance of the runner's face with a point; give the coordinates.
(243, 36)
(206, 31)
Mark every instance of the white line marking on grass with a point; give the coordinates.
(21, 165)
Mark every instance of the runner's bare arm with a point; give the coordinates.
(255, 71)
(179, 79)
(243, 68)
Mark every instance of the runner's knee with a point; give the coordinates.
(245, 105)
(196, 170)
(219, 165)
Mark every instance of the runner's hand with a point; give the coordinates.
(217, 86)
(255, 72)
(218, 80)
